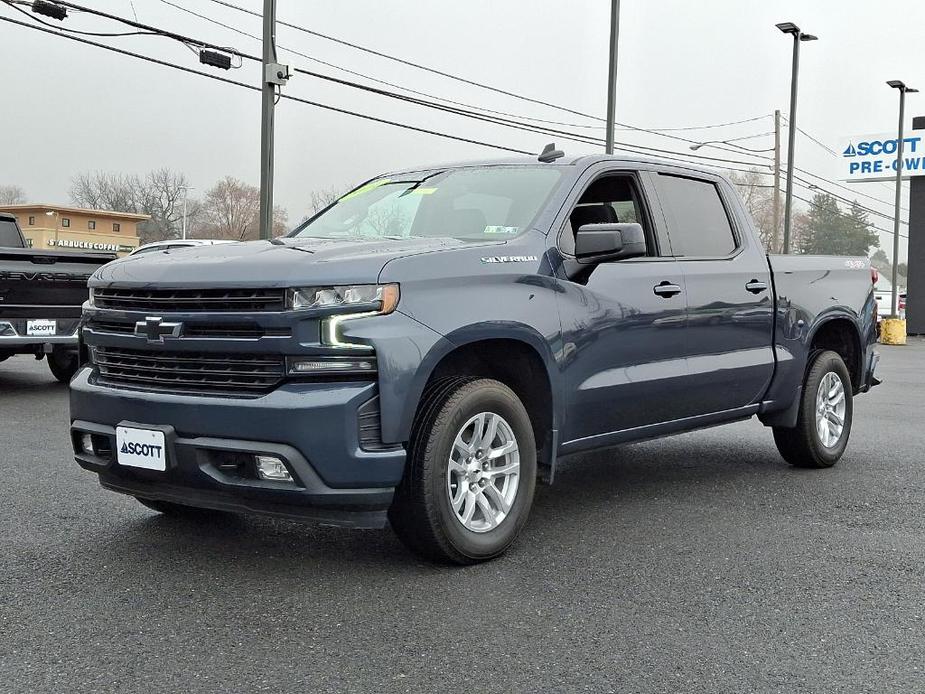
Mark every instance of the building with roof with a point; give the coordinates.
(56, 227)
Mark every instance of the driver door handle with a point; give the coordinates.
(756, 287)
(666, 289)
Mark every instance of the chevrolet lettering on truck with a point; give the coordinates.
(429, 346)
(41, 293)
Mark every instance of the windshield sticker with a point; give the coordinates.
(372, 185)
(509, 259)
(422, 191)
(490, 229)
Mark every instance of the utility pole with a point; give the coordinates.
(775, 235)
(274, 77)
(612, 72)
(798, 37)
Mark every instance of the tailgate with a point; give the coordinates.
(38, 284)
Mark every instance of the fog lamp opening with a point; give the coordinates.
(271, 468)
(86, 444)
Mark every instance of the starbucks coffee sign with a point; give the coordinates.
(91, 245)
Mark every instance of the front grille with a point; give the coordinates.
(238, 331)
(243, 375)
(190, 300)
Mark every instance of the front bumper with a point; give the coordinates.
(13, 334)
(312, 427)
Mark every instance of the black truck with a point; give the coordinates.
(41, 295)
(428, 346)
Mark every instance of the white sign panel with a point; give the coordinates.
(873, 157)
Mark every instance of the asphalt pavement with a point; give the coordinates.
(699, 563)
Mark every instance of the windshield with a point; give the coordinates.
(477, 204)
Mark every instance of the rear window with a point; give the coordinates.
(697, 221)
(9, 235)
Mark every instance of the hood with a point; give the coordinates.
(285, 262)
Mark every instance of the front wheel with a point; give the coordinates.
(468, 487)
(824, 421)
(63, 364)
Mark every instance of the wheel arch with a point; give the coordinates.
(839, 333)
(514, 354)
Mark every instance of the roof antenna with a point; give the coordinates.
(550, 153)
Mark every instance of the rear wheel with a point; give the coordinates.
(824, 420)
(471, 473)
(63, 364)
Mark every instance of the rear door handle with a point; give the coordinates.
(666, 289)
(756, 287)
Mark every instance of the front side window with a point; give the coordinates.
(697, 221)
(608, 200)
(472, 204)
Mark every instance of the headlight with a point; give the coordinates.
(91, 300)
(383, 298)
(356, 300)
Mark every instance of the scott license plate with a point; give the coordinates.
(41, 328)
(143, 448)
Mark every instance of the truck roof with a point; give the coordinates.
(580, 162)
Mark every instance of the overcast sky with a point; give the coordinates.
(69, 108)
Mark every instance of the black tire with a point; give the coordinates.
(63, 364)
(802, 446)
(168, 508)
(421, 513)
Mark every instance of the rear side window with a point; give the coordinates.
(697, 221)
(9, 235)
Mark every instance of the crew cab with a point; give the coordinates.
(424, 349)
(41, 295)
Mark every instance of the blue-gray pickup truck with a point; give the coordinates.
(426, 348)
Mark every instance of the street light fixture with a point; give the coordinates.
(798, 38)
(903, 90)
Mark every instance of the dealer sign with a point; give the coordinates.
(873, 157)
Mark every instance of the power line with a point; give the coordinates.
(15, 5)
(708, 127)
(585, 139)
(628, 147)
(254, 88)
(376, 79)
(457, 78)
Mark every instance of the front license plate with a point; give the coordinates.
(143, 448)
(41, 328)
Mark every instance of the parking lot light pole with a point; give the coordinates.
(186, 190)
(903, 90)
(612, 73)
(798, 38)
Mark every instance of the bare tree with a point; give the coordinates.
(319, 199)
(158, 194)
(758, 197)
(12, 195)
(231, 210)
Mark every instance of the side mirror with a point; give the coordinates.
(595, 243)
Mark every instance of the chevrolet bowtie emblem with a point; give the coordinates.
(155, 329)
